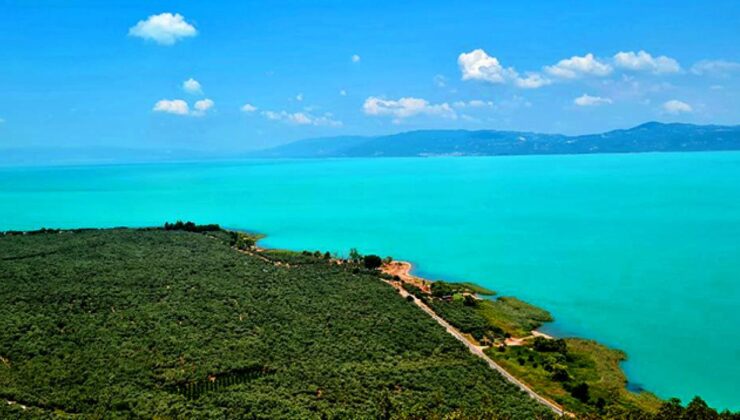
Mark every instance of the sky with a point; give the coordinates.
(237, 76)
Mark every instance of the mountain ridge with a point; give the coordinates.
(647, 137)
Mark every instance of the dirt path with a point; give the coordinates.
(402, 270)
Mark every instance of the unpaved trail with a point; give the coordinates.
(478, 352)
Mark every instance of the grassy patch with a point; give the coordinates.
(474, 288)
(556, 374)
(513, 316)
(488, 320)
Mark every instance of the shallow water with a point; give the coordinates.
(641, 252)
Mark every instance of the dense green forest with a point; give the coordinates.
(178, 323)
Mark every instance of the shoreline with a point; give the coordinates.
(402, 271)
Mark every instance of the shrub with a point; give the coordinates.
(191, 227)
(580, 392)
(546, 345)
(372, 262)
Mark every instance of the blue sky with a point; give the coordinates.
(112, 74)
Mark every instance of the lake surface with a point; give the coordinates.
(640, 252)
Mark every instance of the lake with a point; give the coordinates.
(640, 252)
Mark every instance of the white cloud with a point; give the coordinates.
(532, 81)
(576, 66)
(172, 106)
(248, 108)
(478, 65)
(192, 86)
(675, 106)
(355, 58)
(343, 92)
(180, 107)
(299, 97)
(715, 68)
(406, 107)
(164, 29)
(588, 100)
(474, 103)
(302, 118)
(643, 61)
(201, 107)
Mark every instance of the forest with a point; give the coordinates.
(178, 323)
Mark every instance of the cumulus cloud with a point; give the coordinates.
(164, 29)
(355, 58)
(643, 61)
(192, 86)
(577, 66)
(299, 97)
(675, 106)
(406, 107)
(180, 107)
(342, 92)
(172, 106)
(532, 81)
(715, 68)
(201, 107)
(588, 100)
(478, 65)
(248, 108)
(302, 118)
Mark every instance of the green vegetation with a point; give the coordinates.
(444, 289)
(372, 262)
(191, 227)
(583, 376)
(478, 290)
(488, 320)
(579, 374)
(292, 257)
(179, 324)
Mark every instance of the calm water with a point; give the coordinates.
(641, 252)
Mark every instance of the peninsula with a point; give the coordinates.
(197, 321)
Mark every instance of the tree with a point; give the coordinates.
(354, 255)
(469, 301)
(670, 409)
(546, 345)
(560, 373)
(580, 392)
(441, 289)
(698, 409)
(372, 262)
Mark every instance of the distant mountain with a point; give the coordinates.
(649, 137)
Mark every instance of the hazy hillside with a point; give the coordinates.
(649, 137)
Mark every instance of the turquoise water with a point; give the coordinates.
(641, 252)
